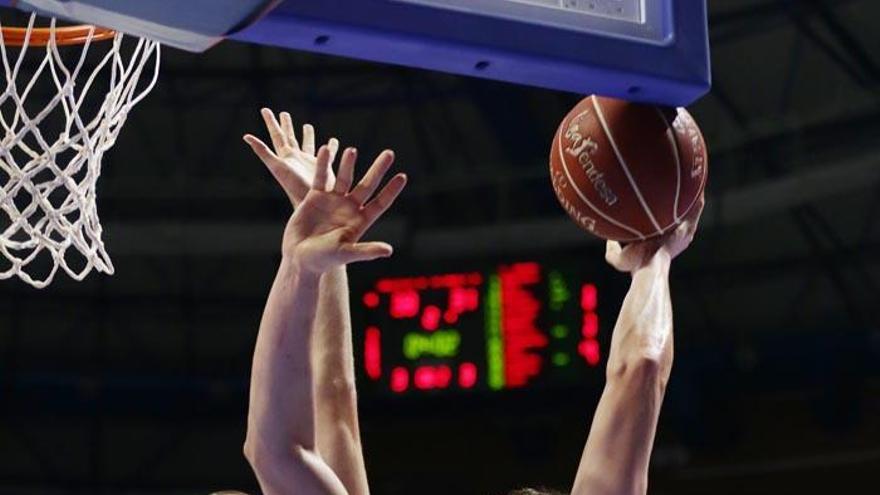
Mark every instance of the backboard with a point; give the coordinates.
(645, 50)
(193, 25)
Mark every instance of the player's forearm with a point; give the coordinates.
(338, 431)
(332, 353)
(644, 326)
(281, 436)
(281, 412)
(617, 454)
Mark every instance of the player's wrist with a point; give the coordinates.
(337, 273)
(294, 238)
(659, 263)
(300, 268)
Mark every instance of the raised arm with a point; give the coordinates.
(338, 433)
(616, 457)
(323, 234)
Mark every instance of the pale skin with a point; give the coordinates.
(303, 435)
(302, 420)
(293, 163)
(618, 450)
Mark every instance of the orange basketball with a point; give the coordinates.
(626, 171)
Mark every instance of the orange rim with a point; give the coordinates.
(70, 35)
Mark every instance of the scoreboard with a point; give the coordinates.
(514, 326)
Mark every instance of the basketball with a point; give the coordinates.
(625, 171)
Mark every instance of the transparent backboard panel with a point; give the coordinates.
(193, 25)
(642, 20)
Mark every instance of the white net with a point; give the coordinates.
(62, 109)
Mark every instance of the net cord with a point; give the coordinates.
(42, 226)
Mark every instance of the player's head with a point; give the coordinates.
(533, 491)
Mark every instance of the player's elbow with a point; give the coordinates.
(265, 461)
(253, 454)
(259, 454)
(643, 368)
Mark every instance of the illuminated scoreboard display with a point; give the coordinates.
(518, 325)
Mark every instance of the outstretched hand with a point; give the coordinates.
(325, 230)
(291, 163)
(638, 254)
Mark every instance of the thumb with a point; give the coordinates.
(614, 255)
(289, 181)
(628, 258)
(260, 148)
(364, 251)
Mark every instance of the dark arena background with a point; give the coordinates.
(137, 383)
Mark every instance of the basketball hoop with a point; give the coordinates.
(51, 151)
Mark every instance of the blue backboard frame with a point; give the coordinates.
(660, 57)
(674, 72)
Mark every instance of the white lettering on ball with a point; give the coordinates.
(560, 183)
(583, 148)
